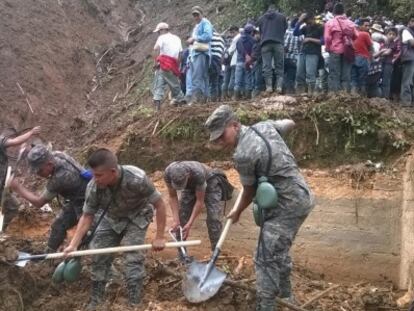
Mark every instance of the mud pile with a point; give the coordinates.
(30, 288)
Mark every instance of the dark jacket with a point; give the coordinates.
(244, 46)
(314, 31)
(272, 27)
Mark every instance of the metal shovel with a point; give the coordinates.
(203, 281)
(183, 255)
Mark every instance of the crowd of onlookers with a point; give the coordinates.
(301, 54)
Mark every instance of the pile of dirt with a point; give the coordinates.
(30, 288)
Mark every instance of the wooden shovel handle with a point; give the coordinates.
(229, 222)
(121, 249)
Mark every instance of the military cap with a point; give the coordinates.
(38, 156)
(218, 120)
(179, 176)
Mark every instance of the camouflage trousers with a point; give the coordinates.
(10, 209)
(67, 219)
(214, 206)
(104, 237)
(273, 263)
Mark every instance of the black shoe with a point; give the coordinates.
(134, 294)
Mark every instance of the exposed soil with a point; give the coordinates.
(32, 285)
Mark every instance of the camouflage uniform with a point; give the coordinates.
(66, 182)
(11, 205)
(273, 262)
(201, 179)
(295, 201)
(126, 220)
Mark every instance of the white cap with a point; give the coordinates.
(161, 26)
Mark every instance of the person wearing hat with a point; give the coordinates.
(260, 151)
(407, 61)
(200, 55)
(363, 47)
(130, 199)
(243, 81)
(10, 138)
(64, 179)
(201, 186)
(167, 52)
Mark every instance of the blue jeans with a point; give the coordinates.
(387, 71)
(359, 74)
(243, 78)
(290, 75)
(228, 86)
(199, 74)
(307, 69)
(188, 83)
(339, 73)
(407, 83)
(273, 54)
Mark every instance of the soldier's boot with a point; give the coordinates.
(134, 293)
(98, 292)
(311, 89)
(230, 94)
(236, 95)
(248, 95)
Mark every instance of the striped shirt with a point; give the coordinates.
(217, 45)
(293, 44)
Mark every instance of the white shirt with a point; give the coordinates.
(169, 45)
(406, 36)
(232, 49)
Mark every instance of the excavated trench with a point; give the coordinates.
(356, 242)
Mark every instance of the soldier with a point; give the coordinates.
(9, 138)
(128, 197)
(254, 147)
(200, 186)
(64, 178)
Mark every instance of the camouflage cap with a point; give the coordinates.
(179, 176)
(37, 156)
(217, 121)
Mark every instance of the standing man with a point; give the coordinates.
(272, 26)
(129, 197)
(200, 55)
(217, 52)
(260, 151)
(243, 83)
(363, 51)
(8, 139)
(167, 53)
(407, 60)
(229, 69)
(293, 46)
(64, 179)
(200, 186)
(311, 52)
(337, 30)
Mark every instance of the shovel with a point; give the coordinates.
(24, 258)
(202, 281)
(183, 255)
(3, 196)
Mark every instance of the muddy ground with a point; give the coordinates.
(31, 288)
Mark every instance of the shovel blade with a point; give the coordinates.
(20, 260)
(191, 283)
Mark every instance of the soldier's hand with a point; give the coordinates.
(186, 231)
(174, 226)
(234, 215)
(158, 244)
(36, 130)
(68, 250)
